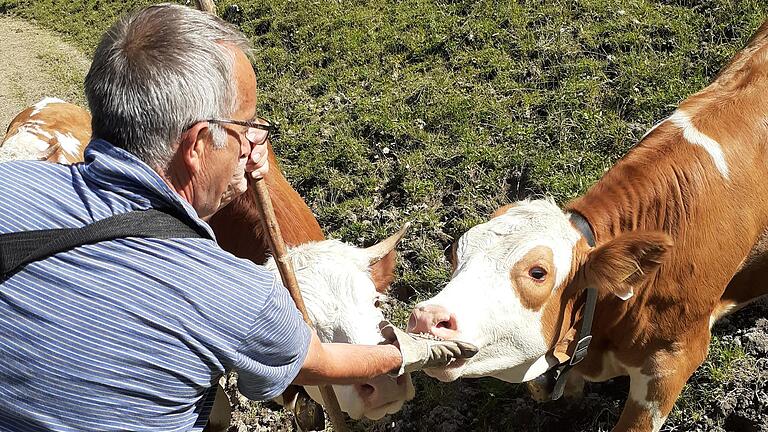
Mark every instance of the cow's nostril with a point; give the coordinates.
(401, 380)
(365, 390)
(430, 318)
(412, 322)
(448, 324)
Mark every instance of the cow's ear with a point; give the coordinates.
(383, 271)
(453, 257)
(501, 210)
(626, 262)
(382, 259)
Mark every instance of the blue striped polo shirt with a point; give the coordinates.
(130, 334)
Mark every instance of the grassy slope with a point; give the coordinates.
(438, 112)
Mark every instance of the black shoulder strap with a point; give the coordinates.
(20, 248)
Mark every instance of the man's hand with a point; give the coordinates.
(258, 161)
(421, 352)
(255, 164)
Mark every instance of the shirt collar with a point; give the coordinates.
(118, 171)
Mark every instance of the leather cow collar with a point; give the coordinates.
(560, 372)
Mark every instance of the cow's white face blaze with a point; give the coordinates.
(337, 283)
(505, 272)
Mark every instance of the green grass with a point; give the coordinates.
(438, 112)
(723, 358)
(68, 78)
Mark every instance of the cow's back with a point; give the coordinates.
(51, 130)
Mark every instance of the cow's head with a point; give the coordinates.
(515, 281)
(343, 286)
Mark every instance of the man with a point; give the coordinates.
(130, 334)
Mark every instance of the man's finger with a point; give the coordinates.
(467, 349)
(451, 349)
(259, 155)
(258, 159)
(449, 352)
(258, 171)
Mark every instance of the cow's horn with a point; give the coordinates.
(382, 248)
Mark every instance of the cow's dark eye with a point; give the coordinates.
(537, 273)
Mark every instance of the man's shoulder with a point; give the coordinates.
(207, 266)
(35, 193)
(198, 251)
(21, 168)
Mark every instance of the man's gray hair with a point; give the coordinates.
(158, 71)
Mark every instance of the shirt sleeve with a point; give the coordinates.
(273, 351)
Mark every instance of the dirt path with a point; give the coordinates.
(35, 63)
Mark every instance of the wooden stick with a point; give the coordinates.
(276, 243)
(206, 6)
(275, 237)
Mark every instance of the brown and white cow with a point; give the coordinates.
(342, 284)
(681, 229)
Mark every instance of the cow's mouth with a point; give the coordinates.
(452, 372)
(389, 408)
(456, 364)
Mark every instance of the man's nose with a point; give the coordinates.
(435, 320)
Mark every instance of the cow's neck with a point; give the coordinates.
(671, 180)
(239, 229)
(699, 177)
(668, 184)
(662, 185)
(643, 192)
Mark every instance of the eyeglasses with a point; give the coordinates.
(252, 126)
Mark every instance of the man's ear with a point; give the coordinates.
(627, 261)
(192, 146)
